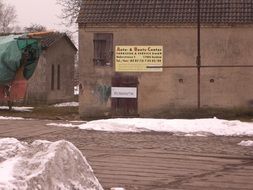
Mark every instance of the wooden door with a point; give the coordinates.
(125, 107)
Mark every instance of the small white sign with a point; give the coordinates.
(124, 92)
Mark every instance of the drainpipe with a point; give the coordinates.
(198, 61)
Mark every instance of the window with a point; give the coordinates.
(58, 77)
(103, 53)
(52, 77)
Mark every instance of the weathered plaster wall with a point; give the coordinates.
(232, 87)
(36, 88)
(39, 86)
(63, 54)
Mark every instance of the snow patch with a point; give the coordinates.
(194, 127)
(78, 121)
(67, 104)
(246, 143)
(21, 109)
(198, 134)
(62, 125)
(44, 165)
(11, 118)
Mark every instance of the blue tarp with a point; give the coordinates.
(12, 50)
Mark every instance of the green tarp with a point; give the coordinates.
(12, 48)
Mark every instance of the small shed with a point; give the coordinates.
(53, 79)
(138, 57)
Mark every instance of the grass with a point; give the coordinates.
(229, 114)
(45, 112)
(71, 113)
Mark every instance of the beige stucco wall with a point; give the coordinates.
(61, 53)
(232, 87)
(36, 88)
(39, 86)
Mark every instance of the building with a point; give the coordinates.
(53, 79)
(126, 47)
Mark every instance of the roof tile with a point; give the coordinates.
(165, 11)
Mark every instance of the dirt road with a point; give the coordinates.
(150, 161)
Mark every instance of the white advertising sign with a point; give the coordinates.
(124, 92)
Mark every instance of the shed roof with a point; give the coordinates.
(50, 38)
(165, 11)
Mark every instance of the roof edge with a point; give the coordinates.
(158, 25)
(68, 40)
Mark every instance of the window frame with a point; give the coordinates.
(103, 49)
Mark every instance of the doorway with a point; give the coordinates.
(124, 98)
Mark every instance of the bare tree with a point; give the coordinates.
(17, 29)
(1, 8)
(35, 28)
(7, 17)
(70, 10)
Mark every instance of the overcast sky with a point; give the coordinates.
(43, 12)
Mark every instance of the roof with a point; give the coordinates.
(50, 38)
(165, 11)
(47, 38)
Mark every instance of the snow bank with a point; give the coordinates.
(246, 143)
(195, 127)
(67, 104)
(213, 126)
(44, 165)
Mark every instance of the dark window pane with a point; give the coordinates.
(103, 45)
(58, 77)
(52, 77)
(100, 52)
